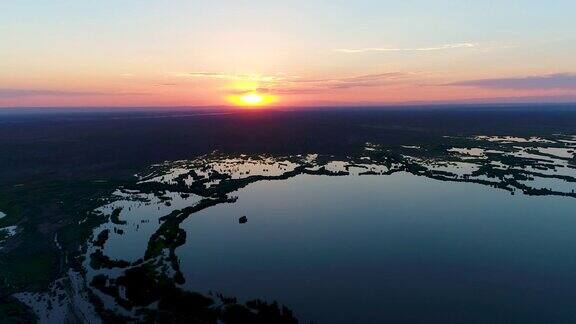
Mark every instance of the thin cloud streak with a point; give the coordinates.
(306, 86)
(297, 85)
(16, 93)
(399, 49)
(368, 80)
(233, 77)
(534, 82)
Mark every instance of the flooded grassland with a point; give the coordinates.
(474, 223)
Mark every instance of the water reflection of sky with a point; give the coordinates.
(375, 243)
(141, 217)
(336, 248)
(401, 247)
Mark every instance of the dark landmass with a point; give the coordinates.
(57, 166)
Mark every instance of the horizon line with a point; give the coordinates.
(295, 107)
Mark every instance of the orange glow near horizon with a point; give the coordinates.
(284, 53)
(252, 99)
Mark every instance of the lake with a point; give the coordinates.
(477, 229)
(368, 249)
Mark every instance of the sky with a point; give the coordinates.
(285, 53)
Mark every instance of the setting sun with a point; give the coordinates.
(252, 99)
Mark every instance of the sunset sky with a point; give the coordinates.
(291, 52)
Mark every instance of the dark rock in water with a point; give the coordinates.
(115, 217)
(102, 238)
(243, 220)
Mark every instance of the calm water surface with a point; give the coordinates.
(368, 249)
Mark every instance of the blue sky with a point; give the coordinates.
(150, 52)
